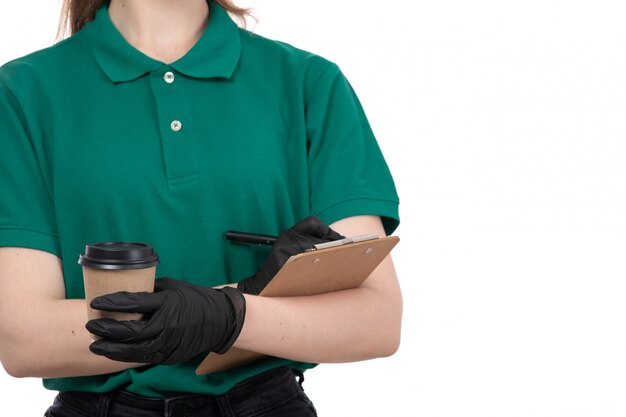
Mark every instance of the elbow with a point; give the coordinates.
(390, 333)
(16, 359)
(382, 341)
(392, 328)
(15, 367)
(22, 367)
(14, 371)
(384, 345)
(389, 345)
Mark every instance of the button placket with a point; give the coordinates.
(174, 118)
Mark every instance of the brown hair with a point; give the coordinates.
(77, 13)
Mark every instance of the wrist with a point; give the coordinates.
(237, 303)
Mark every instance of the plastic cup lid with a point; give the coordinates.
(119, 255)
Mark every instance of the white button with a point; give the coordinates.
(169, 77)
(176, 125)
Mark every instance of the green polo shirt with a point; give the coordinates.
(99, 142)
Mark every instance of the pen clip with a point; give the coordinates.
(345, 241)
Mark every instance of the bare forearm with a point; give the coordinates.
(344, 326)
(51, 341)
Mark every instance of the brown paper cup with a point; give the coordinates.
(103, 281)
(110, 267)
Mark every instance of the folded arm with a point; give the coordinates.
(359, 324)
(186, 319)
(41, 333)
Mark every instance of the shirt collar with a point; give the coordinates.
(216, 53)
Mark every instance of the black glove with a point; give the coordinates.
(293, 241)
(181, 320)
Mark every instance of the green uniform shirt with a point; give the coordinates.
(99, 142)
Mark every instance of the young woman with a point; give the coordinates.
(164, 122)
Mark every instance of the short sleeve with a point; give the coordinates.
(26, 210)
(348, 174)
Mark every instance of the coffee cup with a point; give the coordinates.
(110, 267)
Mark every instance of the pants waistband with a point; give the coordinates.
(241, 396)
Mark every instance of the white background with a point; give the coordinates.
(503, 123)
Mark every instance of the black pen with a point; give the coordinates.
(250, 238)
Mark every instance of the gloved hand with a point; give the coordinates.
(181, 320)
(297, 239)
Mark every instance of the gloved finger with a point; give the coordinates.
(313, 226)
(128, 302)
(255, 284)
(332, 235)
(164, 283)
(309, 226)
(122, 331)
(118, 351)
(138, 352)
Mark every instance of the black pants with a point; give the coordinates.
(275, 393)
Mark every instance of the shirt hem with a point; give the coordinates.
(29, 238)
(387, 209)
